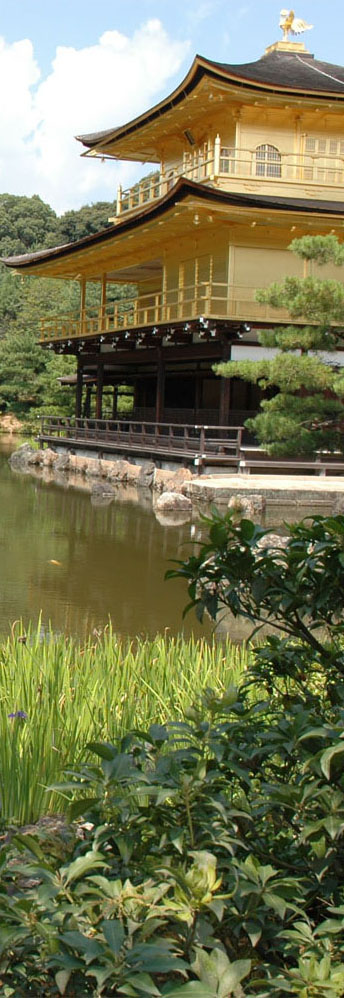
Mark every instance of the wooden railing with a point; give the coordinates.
(209, 300)
(216, 161)
(198, 165)
(285, 167)
(201, 444)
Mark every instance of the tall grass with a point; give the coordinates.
(73, 693)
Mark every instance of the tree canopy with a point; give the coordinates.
(29, 375)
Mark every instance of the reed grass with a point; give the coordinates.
(73, 693)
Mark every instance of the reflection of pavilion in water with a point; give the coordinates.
(113, 561)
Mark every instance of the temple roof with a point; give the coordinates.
(282, 70)
(182, 191)
(296, 71)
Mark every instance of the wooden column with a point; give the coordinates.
(78, 395)
(225, 389)
(160, 386)
(82, 305)
(198, 395)
(99, 396)
(87, 402)
(103, 304)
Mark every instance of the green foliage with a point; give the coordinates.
(25, 224)
(73, 694)
(211, 858)
(75, 225)
(307, 413)
(297, 588)
(28, 375)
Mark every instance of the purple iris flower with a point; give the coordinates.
(18, 713)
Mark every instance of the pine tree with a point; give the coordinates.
(306, 413)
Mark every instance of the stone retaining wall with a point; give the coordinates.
(93, 468)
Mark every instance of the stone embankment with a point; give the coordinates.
(174, 494)
(101, 477)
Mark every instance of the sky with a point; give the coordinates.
(69, 67)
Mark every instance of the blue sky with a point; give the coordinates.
(77, 65)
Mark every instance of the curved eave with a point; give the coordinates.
(36, 263)
(101, 140)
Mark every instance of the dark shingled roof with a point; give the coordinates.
(182, 189)
(294, 72)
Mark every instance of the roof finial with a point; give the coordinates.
(290, 23)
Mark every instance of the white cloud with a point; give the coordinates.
(88, 89)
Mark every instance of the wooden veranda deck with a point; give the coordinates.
(188, 444)
(202, 446)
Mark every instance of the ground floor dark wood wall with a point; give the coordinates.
(163, 385)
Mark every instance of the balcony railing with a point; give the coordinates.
(198, 165)
(285, 167)
(200, 444)
(214, 162)
(207, 299)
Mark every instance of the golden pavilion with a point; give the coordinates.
(242, 158)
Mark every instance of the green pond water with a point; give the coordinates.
(111, 559)
(77, 564)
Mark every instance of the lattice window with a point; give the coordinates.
(268, 161)
(227, 159)
(324, 159)
(324, 147)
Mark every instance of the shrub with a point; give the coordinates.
(211, 862)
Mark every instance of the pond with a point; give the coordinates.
(78, 564)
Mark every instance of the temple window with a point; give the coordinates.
(268, 161)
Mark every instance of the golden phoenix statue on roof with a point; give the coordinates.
(290, 23)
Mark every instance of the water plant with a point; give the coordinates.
(56, 695)
(211, 862)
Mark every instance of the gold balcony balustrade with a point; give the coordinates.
(208, 299)
(215, 163)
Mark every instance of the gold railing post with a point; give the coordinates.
(162, 183)
(217, 153)
(119, 200)
(82, 306)
(207, 299)
(103, 304)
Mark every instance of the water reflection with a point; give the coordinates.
(79, 563)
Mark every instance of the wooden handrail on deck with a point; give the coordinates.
(199, 443)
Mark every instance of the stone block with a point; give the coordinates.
(163, 480)
(77, 464)
(49, 457)
(20, 458)
(119, 471)
(244, 505)
(173, 501)
(146, 475)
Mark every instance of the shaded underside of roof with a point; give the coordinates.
(182, 190)
(282, 71)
